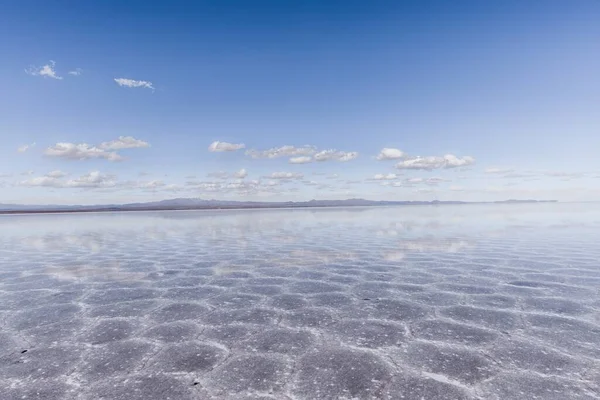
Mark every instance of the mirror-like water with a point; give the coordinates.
(448, 302)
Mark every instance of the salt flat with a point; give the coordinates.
(449, 302)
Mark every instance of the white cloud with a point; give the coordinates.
(47, 71)
(105, 150)
(92, 180)
(283, 151)
(300, 160)
(123, 142)
(56, 174)
(42, 181)
(25, 147)
(380, 177)
(241, 174)
(80, 151)
(76, 72)
(435, 162)
(457, 188)
(285, 175)
(132, 83)
(224, 146)
(327, 155)
(414, 180)
(390, 154)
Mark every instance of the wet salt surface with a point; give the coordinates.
(467, 302)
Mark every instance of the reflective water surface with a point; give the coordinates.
(422, 302)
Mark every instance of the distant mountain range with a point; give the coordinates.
(200, 204)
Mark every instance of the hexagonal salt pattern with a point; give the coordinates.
(468, 302)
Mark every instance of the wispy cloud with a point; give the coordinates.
(225, 146)
(91, 180)
(380, 177)
(332, 154)
(132, 83)
(303, 154)
(283, 151)
(46, 71)
(241, 174)
(80, 151)
(123, 142)
(84, 151)
(25, 147)
(435, 162)
(76, 72)
(285, 175)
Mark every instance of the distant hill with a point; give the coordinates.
(201, 204)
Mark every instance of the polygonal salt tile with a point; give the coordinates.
(259, 316)
(189, 356)
(340, 373)
(288, 301)
(331, 300)
(444, 331)
(412, 387)
(463, 365)
(501, 320)
(280, 340)
(311, 287)
(173, 332)
(30, 318)
(193, 294)
(529, 356)
(39, 363)
(519, 386)
(465, 289)
(268, 290)
(114, 358)
(555, 305)
(110, 330)
(368, 333)
(180, 311)
(137, 308)
(397, 310)
(250, 373)
(228, 335)
(235, 300)
(308, 318)
(143, 387)
(38, 389)
(492, 300)
(119, 295)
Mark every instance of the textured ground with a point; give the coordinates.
(470, 302)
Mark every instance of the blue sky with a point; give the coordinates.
(110, 102)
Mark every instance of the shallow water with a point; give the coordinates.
(447, 302)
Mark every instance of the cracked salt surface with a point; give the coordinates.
(467, 302)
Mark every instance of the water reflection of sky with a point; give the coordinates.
(283, 237)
